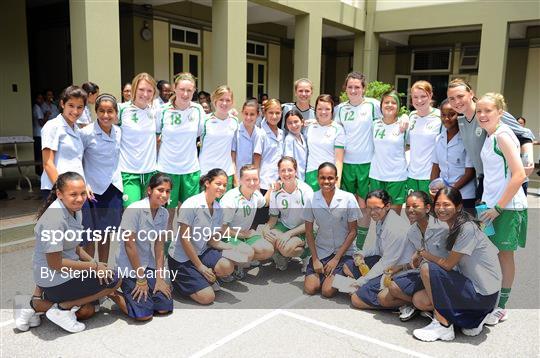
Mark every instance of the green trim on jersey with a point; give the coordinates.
(499, 152)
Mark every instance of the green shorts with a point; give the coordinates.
(355, 179)
(396, 189)
(282, 228)
(184, 186)
(311, 180)
(417, 185)
(236, 241)
(134, 187)
(510, 230)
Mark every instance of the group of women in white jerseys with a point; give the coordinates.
(314, 187)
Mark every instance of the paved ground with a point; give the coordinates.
(268, 315)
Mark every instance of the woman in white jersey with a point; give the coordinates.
(463, 287)
(424, 127)
(218, 135)
(303, 90)
(138, 145)
(179, 123)
(356, 116)
(388, 169)
(503, 194)
(325, 142)
(286, 227)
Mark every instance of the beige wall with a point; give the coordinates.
(274, 54)
(531, 104)
(383, 5)
(15, 107)
(516, 71)
(286, 69)
(161, 50)
(387, 68)
(143, 51)
(207, 63)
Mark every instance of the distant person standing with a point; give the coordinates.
(165, 92)
(126, 92)
(49, 107)
(38, 121)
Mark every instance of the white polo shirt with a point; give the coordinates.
(357, 124)
(388, 163)
(138, 219)
(239, 211)
(322, 142)
(422, 133)
(332, 220)
(138, 145)
(101, 157)
(216, 144)
(270, 148)
(195, 214)
(297, 148)
(290, 206)
(58, 136)
(452, 159)
(179, 130)
(244, 146)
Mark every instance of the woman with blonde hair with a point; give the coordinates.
(138, 150)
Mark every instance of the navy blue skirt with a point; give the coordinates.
(76, 288)
(337, 271)
(105, 211)
(369, 260)
(455, 298)
(153, 303)
(369, 292)
(409, 282)
(188, 279)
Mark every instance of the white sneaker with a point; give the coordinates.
(239, 273)
(496, 316)
(427, 314)
(23, 313)
(434, 331)
(305, 263)
(407, 312)
(35, 320)
(281, 261)
(474, 331)
(66, 319)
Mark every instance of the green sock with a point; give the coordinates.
(361, 233)
(504, 296)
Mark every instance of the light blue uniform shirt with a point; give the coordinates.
(390, 244)
(452, 159)
(101, 157)
(270, 147)
(433, 240)
(195, 213)
(66, 142)
(298, 150)
(332, 220)
(138, 219)
(56, 217)
(244, 145)
(86, 116)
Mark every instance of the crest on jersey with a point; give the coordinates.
(478, 131)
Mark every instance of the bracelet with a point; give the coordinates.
(498, 209)
(141, 282)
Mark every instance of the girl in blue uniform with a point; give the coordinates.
(462, 297)
(64, 297)
(195, 256)
(101, 142)
(144, 289)
(335, 211)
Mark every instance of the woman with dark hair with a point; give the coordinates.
(325, 142)
(144, 289)
(466, 296)
(64, 297)
(195, 255)
(92, 90)
(335, 212)
(295, 144)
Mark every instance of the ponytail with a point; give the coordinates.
(60, 184)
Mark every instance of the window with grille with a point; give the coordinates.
(185, 36)
(256, 49)
(469, 57)
(434, 60)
